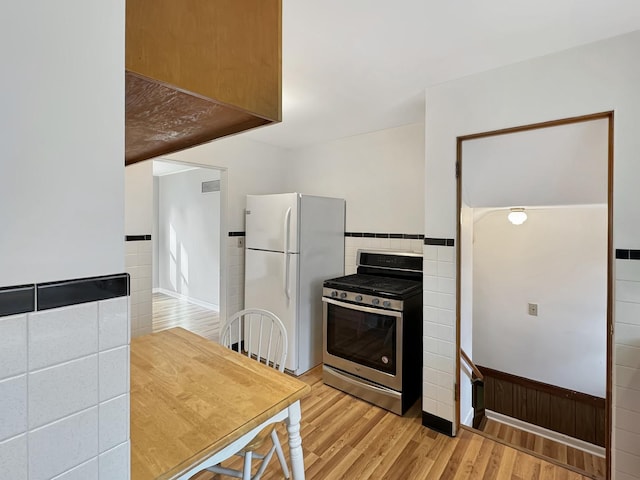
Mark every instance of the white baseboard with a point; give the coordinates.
(550, 434)
(195, 301)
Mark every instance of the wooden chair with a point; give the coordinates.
(260, 335)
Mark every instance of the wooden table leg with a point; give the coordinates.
(295, 441)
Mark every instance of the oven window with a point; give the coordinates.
(364, 338)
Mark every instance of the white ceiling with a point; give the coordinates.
(562, 165)
(356, 66)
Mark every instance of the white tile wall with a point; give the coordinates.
(85, 471)
(235, 275)
(56, 392)
(138, 264)
(115, 463)
(112, 364)
(64, 393)
(353, 244)
(13, 457)
(13, 401)
(62, 334)
(63, 445)
(13, 354)
(113, 323)
(626, 432)
(114, 426)
(438, 331)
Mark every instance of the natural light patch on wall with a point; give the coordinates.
(173, 258)
(184, 271)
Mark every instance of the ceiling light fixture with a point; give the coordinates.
(517, 216)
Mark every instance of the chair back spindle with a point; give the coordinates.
(259, 334)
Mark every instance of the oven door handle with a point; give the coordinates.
(362, 308)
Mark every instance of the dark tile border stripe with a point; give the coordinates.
(623, 254)
(136, 238)
(237, 234)
(438, 424)
(16, 300)
(72, 292)
(442, 242)
(406, 236)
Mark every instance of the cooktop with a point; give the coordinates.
(363, 283)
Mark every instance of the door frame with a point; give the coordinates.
(224, 229)
(608, 115)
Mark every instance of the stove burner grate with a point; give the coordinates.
(375, 284)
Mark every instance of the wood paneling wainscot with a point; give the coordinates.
(565, 411)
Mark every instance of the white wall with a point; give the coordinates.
(379, 174)
(558, 260)
(252, 168)
(247, 167)
(189, 236)
(61, 197)
(61, 186)
(138, 198)
(593, 78)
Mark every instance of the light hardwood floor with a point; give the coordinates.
(346, 438)
(171, 312)
(589, 464)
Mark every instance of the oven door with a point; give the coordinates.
(363, 341)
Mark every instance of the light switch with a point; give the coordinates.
(533, 309)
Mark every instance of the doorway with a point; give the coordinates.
(188, 247)
(556, 184)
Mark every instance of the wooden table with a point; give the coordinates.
(195, 403)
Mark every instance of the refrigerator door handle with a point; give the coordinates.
(285, 252)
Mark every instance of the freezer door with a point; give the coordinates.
(270, 287)
(272, 222)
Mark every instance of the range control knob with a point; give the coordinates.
(343, 295)
(358, 298)
(376, 301)
(334, 293)
(386, 304)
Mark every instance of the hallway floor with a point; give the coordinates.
(171, 312)
(578, 460)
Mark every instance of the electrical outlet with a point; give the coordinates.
(240, 242)
(533, 309)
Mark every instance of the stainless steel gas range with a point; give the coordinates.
(372, 330)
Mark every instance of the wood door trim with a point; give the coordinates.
(609, 115)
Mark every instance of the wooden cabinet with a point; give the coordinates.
(197, 70)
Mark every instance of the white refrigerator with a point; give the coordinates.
(293, 243)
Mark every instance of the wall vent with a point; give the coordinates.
(211, 186)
